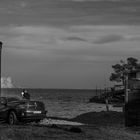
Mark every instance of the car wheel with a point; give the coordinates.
(12, 118)
(37, 121)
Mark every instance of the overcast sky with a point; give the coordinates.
(67, 43)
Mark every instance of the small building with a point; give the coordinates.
(132, 106)
(134, 85)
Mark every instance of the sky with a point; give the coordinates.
(67, 43)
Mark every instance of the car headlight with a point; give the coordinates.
(22, 106)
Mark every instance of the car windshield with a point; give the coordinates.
(12, 99)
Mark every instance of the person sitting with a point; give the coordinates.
(25, 95)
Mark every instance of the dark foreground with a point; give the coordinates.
(101, 126)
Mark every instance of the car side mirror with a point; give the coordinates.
(3, 101)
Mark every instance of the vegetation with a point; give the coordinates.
(122, 68)
(120, 73)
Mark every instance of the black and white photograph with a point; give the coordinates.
(69, 69)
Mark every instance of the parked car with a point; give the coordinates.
(14, 110)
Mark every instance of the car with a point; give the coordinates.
(14, 110)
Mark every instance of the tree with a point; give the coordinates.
(122, 68)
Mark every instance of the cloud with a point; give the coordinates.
(67, 12)
(45, 53)
(133, 38)
(29, 37)
(6, 82)
(73, 44)
(23, 4)
(74, 38)
(39, 38)
(98, 0)
(116, 38)
(108, 39)
(80, 56)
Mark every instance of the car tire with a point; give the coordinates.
(12, 118)
(37, 121)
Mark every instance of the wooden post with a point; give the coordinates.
(0, 65)
(127, 118)
(126, 89)
(106, 99)
(107, 106)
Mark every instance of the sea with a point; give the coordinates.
(63, 103)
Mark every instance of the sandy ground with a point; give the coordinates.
(99, 126)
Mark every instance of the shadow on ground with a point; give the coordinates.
(102, 126)
(101, 118)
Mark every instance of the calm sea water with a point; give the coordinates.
(61, 103)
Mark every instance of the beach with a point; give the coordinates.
(71, 117)
(97, 125)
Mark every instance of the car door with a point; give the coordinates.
(3, 107)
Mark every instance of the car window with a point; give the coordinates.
(12, 99)
(1, 99)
